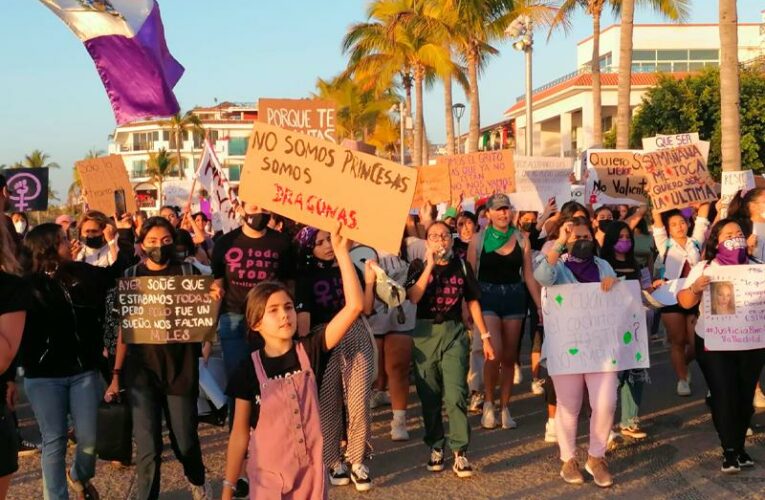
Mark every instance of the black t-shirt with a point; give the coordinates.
(174, 367)
(320, 293)
(625, 269)
(447, 287)
(243, 383)
(244, 262)
(14, 297)
(460, 248)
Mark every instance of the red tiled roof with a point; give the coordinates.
(585, 80)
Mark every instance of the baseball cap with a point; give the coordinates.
(497, 201)
(449, 212)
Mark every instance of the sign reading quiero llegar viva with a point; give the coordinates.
(321, 184)
(166, 309)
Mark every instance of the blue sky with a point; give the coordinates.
(240, 50)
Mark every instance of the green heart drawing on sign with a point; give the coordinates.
(559, 300)
(573, 351)
(627, 338)
(613, 361)
(638, 357)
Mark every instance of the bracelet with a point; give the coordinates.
(486, 335)
(559, 247)
(116, 371)
(229, 484)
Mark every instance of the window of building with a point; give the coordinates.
(237, 146)
(705, 55)
(234, 172)
(672, 55)
(144, 141)
(139, 168)
(644, 55)
(606, 61)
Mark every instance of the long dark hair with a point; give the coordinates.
(607, 251)
(739, 205)
(157, 221)
(710, 249)
(568, 209)
(39, 252)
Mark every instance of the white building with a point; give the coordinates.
(228, 126)
(562, 109)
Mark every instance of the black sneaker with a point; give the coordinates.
(339, 476)
(436, 462)
(461, 465)
(360, 477)
(242, 488)
(744, 460)
(730, 463)
(27, 448)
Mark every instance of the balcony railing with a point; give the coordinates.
(581, 71)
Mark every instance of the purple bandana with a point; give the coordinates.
(585, 271)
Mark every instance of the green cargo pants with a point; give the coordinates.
(441, 354)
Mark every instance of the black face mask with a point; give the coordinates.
(604, 224)
(94, 242)
(526, 227)
(257, 222)
(161, 255)
(582, 249)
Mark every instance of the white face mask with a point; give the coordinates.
(20, 226)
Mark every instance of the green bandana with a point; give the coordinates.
(495, 239)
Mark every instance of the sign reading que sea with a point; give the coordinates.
(166, 309)
(320, 184)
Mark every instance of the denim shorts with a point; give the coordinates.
(504, 301)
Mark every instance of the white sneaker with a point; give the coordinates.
(360, 477)
(507, 420)
(398, 430)
(550, 436)
(537, 386)
(683, 388)
(759, 399)
(749, 432)
(201, 492)
(378, 398)
(517, 375)
(488, 419)
(339, 475)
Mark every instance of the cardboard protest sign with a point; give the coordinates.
(433, 185)
(615, 176)
(102, 176)
(677, 177)
(480, 174)
(733, 182)
(588, 330)
(166, 309)
(539, 178)
(223, 202)
(312, 117)
(662, 141)
(733, 309)
(27, 188)
(320, 184)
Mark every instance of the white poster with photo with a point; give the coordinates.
(588, 330)
(539, 178)
(733, 182)
(733, 308)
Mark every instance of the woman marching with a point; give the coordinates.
(679, 253)
(281, 382)
(441, 345)
(579, 265)
(730, 375)
(347, 380)
(501, 257)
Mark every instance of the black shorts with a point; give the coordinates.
(9, 444)
(677, 308)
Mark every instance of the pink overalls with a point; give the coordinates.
(285, 447)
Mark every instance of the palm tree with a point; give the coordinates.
(36, 159)
(729, 86)
(675, 10)
(160, 166)
(180, 126)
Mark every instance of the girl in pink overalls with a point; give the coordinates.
(276, 419)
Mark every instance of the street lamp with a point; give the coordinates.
(521, 29)
(458, 110)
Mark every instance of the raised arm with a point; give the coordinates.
(354, 298)
(634, 219)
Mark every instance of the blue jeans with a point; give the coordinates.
(52, 399)
(233, 342)
(631, 384)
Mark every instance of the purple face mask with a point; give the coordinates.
(623, 246)
(731, 252)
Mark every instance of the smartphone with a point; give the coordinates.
(120, 207)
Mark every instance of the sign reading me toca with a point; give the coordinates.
(320, 183)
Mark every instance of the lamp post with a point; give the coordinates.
(521, 29)
(400, 108)
(458, 110)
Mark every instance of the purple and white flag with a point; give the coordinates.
(223, 200)
(126, 40)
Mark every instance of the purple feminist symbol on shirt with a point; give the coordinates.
(24, 187)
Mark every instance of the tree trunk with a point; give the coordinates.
(425, 146)
(625, 75)
(729, 86)
(178, 144)
(449, 115)
(475, 107)
(597, 119)
(419, 122)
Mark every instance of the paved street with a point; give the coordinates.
(680, 459)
